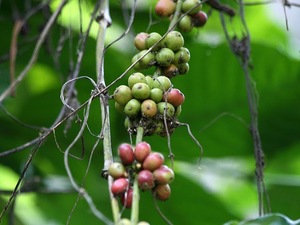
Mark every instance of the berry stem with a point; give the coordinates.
(136, 194)
(176, 15)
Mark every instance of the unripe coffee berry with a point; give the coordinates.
(189, 4)
(124, 221)
(162, 192)
(156, 95)
(153, 161)
(116, 170)
(152, 39)
(182, 56)
(136, 78)
(122, 94)
(148, 60)
(140, 91)
(140, 41)
(164, 57)
(149, 81)
(183, 68)
(166, 109)
(141, 151)
(132, 108)
(165, 8)
(174, 40)
(186, 24)
(174, 96)
(145, 180)
(119, 186)
(162, 83)
(126, 198)
(119, 108)
(126, 154)
(148, 108)
(199, 19)
(163, 175)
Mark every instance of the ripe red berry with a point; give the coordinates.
(126, 198)
(174, 96)
(162, 192)
(145, 180)
(126, 154)
(199, 19)
(142, 150)
(165, 8)
(163, 175)
(153, 161)
(119, 186)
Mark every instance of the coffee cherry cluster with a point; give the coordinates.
(147, 101)
(194, 18)
(141, 163)
(168, 54)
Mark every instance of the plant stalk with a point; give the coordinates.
(104, 23)
(136, 194)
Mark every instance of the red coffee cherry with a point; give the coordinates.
(165, 8)
(199, 19)
(162, 192)
(126, 198)
(126, 154)
(141, 151)
(174, 96)
(153, 161)
(119, 186)
(163, 175)
(145, 180)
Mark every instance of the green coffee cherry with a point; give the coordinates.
(174, 40)
(136, 78)
(132, 108)
(149, 81)
(156, 95)
(152, 39)
(164, 57)
(137, 66)
(189, 4)
(119, 108)
(148, 108)
(164, 107)
(182, 56)
(178, 110)
(186, 24)
(183, 68)
(122, 94)
(148, 60)
(162, 83)
(140, 91)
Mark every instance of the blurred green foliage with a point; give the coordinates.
(222, 188)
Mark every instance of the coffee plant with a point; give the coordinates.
(148, 99)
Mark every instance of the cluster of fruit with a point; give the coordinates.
(146, 101)
(168, 54)
(194, 18)
(149, 168)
